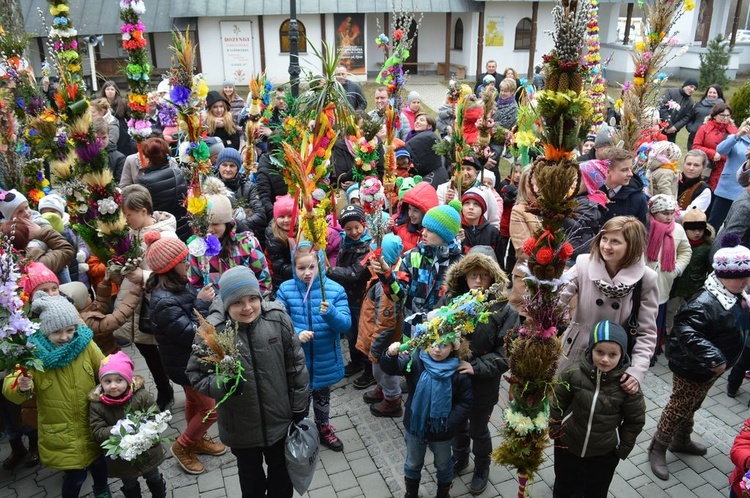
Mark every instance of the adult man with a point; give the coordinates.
(624, 190)
(491, 69)
(472, 169)
(676, 106)
(353, 91)
(381, 102)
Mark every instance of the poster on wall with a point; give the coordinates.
(350, 41)
(494, 31)
(237, 48)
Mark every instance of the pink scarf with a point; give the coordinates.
(117, 401)
(660, 237)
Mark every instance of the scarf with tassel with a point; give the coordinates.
(660, 237)
(433, 397)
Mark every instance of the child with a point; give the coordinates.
(318, 324)
(475, 231)
(379, 326)
(352, 273)
(508, 190)
(663, 158)
(591, 207)
(624, 189)
(668, 254)
(415, 203)
(121, 392)
(440, 404)
(277, 240)
(705, 341)
(594, 421)
(740, 455)
(71, 366)
(486, 362)
(254, 422)
(52, 209)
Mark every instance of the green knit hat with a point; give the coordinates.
(444, 220)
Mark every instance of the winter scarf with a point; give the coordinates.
(501, 101)
(685, 183)
(347, 242)
(660, 236)
(725, 298)
(432, 399)
(57, 357)
(107, 400)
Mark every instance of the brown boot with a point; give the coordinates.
(17, 454)
(657, 455)
(185, 456)
(207, 446)
(681, 443)
(387, 408)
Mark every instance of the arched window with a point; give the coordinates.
(284, 36)
(458, 35)
(523, 34)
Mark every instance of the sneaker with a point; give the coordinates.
(373, 396)
(479, 481)
(364, 381)
(207, 446)
(387, 408)
(353, 369)
(460, 465)
(328, 438)
(187, 459)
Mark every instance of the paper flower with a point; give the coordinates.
(179, 95)
(197, 246)
(107, 206)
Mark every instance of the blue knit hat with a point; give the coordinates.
(444, 220)
(392, 247)
(230, 155)
(606, 331)
(236, 283)
(352, 192)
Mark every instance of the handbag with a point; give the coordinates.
(631, 326)
(145, 324)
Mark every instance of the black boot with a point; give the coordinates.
(444, 490)
(412, 488)
(134, 492)
(158, 487)
(32, 458)
(164, 397)
(17, 454)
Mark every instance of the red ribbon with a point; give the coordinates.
(23, 372)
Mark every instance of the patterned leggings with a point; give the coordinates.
(321, 400)
(687, 396)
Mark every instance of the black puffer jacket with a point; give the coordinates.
(426, 162)
(168, 189)
(270, 184)
(280, 258)
(582, 228)
(629, 201)
(246, 192)
(175, 325)
(481, 235)
(705, 335)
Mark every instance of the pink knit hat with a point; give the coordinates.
(593, 174)
(36, 275)
(284, 206)
(118, 363)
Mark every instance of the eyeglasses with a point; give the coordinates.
(725, 115)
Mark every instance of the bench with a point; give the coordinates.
(459, 69)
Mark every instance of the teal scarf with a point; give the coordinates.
(433, 397)
(53, 357)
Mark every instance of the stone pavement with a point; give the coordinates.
(372, 462)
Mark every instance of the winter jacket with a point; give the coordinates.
(270, 184)
(508, 193)
(483, 234)
(422, 197)
(707, 138)
(350, 270)
(133, 166)
(706, 335)
(740, 455)
(323, 357)
(594, 306)
(629, 201)
(280, 257)
(425, 161)
(354, 95)
(116, 164)
(446, 114)
(506, 114)
(737, 221)
(582, 228)
(96, 315)
(682, 258)
(697, 270)
(701, 110)
(523, 224)
(65, 439)
(168, 190)
(487, 343)
(492, 215)
(593, 412)
(103, 417)
(245, 192)
(276, 381)
(51, 249)
(246, 251)
(380, 320)
(174, 324)
(462, 395)
(662, 181)
(230, 140)
(676, 117)
(734, 149)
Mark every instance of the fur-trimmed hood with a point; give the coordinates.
(95, 396)
(456, 284)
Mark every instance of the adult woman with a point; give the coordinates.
(218, 122)
(523, 224)
(422, 122)
(692, 191)
(110, 92)
(605, 281)
(236, 103)
(165, 183)
(513, 74)
(702, 110)
(100, 108)
(710, 135)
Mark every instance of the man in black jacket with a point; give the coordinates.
(676, 106)
(491, 69)
(353, 91)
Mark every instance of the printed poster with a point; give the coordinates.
(237, 49)
(350, 41)
(494, 31)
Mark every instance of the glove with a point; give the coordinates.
(239, 214)
(298, 417)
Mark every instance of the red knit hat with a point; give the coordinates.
(475, 194)
(163, 254)
(284, 206)
(423, 197)
(36, 275)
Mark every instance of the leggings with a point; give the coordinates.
(687, 396)
(321, 401)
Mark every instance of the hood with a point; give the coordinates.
(164, 222)
(95, 396)
(422, 196)
(454, 277)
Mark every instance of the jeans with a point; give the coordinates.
(415, 452)
(73, 479)
(589, 477)
(390, 384)
(253, 481)
(196, 407)
(152, 475)
(475, 429)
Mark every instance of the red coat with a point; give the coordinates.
(740, 455)
(709, 136)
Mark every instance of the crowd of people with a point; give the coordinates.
(649, 279)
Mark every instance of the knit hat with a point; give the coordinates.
(471, 161)
(606, 331)
(733, 259)
(603, 137)
(661, 202)
(230, 155)
(403, 152)
(215, 146)
(163, 253)
(488, 78)
(55, 312)
(412, 96)
(391, 247)
(694, 219)
(475, 194)
(594, 173)
(55, 221)
(485, 251)
(118, 363)
(214, 97)
(443, 220)
(352, 212)
(663, 152)
(228, 83)
(423, 197)
(284, 206)
(352, 192)
(52, 201)
(690, 82)
(236, 283)
(36, 275)
(219, 208)
(10, 200)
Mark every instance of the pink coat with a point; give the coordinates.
(594, 306)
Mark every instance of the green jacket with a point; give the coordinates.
(103, 417)
(692, 279)
(65, 439)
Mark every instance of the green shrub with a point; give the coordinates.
(740, 104)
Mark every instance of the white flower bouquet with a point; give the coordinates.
(137, 433)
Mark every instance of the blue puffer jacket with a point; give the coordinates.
(325, 363)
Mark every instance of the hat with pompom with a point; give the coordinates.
(219, 206)
(36, 275)
(392, 246)
(163, 253)
(445, 220)
(733, 259)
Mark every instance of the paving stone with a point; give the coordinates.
(343, 480)
(210, 481)
(679, 491)
(325, 492)
(363, 467)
